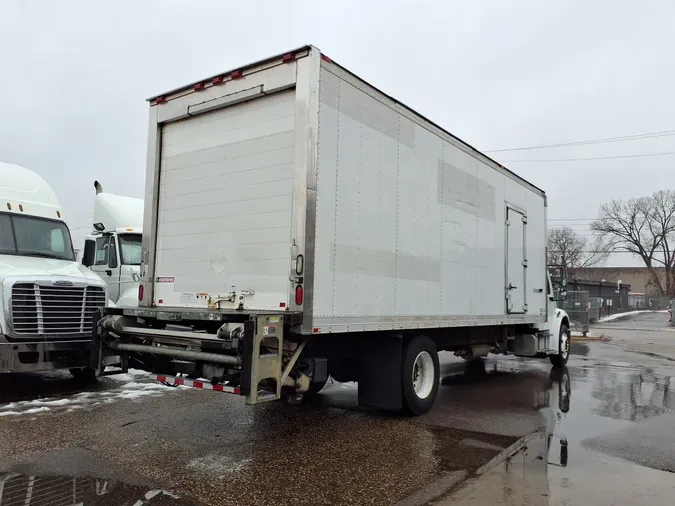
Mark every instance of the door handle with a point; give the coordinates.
(511, 287)
(108, 272)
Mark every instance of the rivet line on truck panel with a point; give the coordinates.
(172, 380)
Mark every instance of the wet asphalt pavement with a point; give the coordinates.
(125, 439)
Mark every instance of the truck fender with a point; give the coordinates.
(128, 298)
(111, 303)
(560, 317)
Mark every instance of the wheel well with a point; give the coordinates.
(566, 321)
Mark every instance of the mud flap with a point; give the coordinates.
(96, 358)
(380, 383)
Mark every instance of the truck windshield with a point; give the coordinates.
(130, 249)
(32, 236)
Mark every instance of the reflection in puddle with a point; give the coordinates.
(18, 489)
(630, 393)
(519, 475)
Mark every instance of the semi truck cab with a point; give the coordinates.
(113, 249)
(47, 300)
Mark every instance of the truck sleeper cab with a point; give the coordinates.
(113, 249)
(47, 300)
(300, 224)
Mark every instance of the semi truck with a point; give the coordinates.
(299, 223)
(47, 300)
(113, 249)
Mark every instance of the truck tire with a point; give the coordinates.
(560, 359)
(84, 375)
(420, 375)
(314, 389)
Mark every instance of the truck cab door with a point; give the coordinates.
(106, 264)
(130, 253)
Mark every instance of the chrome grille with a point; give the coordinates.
(41, 309)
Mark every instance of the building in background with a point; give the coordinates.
(637, 277)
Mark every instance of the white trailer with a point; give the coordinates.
(292, 206)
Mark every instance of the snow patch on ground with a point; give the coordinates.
(617, 316)
(30, 411)
(588, 334)
(130, 387)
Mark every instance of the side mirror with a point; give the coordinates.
(89, 253)
(563, 294)
(112, 253)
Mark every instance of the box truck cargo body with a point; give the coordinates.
(295, 197)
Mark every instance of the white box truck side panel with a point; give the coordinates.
(410, 227)
(225, 200)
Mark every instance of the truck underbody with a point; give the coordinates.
(239, 352)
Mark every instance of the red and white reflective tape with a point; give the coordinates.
(173, 380)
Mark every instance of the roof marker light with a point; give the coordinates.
(326, 59)
(236, 74)
(58, 213)
(21, 207)
(9, 206)
(198, 87)
(217, 80)
(288, 57)
(160, 100)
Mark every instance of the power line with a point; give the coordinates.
(640, 155)
(649, 135)
(572, 219)
(612, 252)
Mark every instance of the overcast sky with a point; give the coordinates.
(74, 77)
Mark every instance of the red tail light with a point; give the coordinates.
(140, 292)
(298, 295)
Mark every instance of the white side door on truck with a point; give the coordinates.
(129, 258)
(516, 263)
(106, 264)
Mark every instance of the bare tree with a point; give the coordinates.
(566, 247)
(644, 226)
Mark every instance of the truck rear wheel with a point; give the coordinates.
(420, 375)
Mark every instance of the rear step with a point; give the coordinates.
(176, 381)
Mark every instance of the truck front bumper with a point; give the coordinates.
(43, 355)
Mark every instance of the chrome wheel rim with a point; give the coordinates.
(423, 374)
(565, 344)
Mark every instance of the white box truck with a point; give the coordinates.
(47, 300)
(113, 249)
(300, 223)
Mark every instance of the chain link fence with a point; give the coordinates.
(578, 306)
(644, 301)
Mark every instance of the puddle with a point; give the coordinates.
(519, 479)
(619, 431)
(26, 490)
